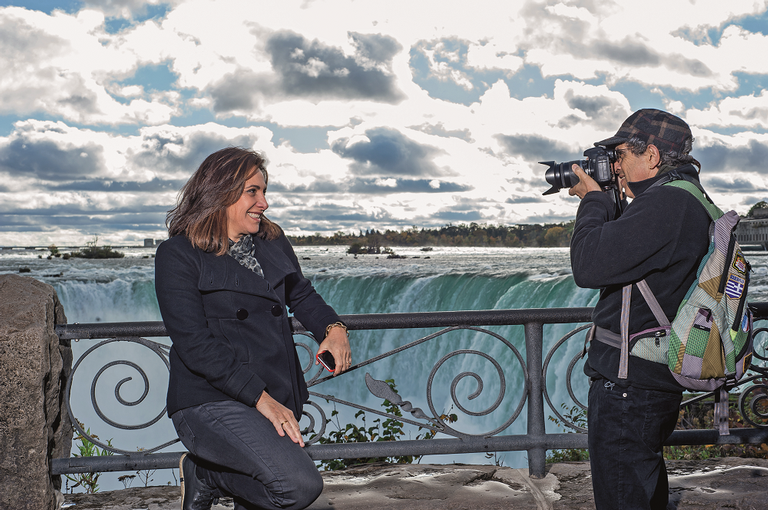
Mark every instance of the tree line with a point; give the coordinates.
(473, 234)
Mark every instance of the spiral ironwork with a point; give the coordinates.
(310, 429)
(161, 351)
(435, 422)
(568, 379)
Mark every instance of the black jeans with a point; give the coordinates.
(627, 430)
(242, 456)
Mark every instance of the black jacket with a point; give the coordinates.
(230, 331)
(662, 236)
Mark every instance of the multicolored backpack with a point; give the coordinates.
(709, 342)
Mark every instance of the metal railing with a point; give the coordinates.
(534, 371)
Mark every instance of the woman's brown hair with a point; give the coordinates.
(201, 210)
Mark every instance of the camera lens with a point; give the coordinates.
(560, 175)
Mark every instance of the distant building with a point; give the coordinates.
(753, 232)
(148, 243)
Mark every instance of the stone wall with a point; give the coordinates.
(34, 365)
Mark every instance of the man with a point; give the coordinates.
(661, 237)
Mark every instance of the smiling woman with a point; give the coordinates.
(236, 388)
(217, 199)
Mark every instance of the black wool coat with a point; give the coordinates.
(230, 331)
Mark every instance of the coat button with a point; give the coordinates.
(242, 314)
(277, 310)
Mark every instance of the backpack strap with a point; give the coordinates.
(626, 297)
(696, 190)
(678, 180)
(653, 303)
(658, 313)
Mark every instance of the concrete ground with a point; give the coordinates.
(715, 484)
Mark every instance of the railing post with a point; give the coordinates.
(537, 456)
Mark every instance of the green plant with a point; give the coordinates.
(88, 481)
(391, 429)
(578, 416)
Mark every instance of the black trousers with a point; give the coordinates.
(627, 430)
(243, 457)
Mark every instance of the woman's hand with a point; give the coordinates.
(337, 343)
(281, 417)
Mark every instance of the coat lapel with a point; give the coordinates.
(275, 264)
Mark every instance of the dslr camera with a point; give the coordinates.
(597, 165)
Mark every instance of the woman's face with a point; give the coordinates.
(244, 216)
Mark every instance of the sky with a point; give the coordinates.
(372, 115)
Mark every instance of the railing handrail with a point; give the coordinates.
(377, 321)
(536, 441)
(369, 321)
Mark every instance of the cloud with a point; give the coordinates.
(46, 160)
(525, 200)
(440, 130)
(747, 158)
(746, 110)
(180, 152)
(325, 217)
(316, 70)
(458, 216)
(318, 186)
(374, 50)
(629, 51)
(386, 151)
(152, 186)
(66, 66)
(535, 148)
(240, 91)
(723, 185)
(87, 223)
(127, 9)
(379, 186)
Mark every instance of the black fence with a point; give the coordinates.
(531, 369)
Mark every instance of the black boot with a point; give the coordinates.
(195, 495)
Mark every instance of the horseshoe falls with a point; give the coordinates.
(475, 373)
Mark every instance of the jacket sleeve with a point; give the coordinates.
(303, 300)
(609, 251)
(177, 274)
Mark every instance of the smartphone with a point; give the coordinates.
(326, 359)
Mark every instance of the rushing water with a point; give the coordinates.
(444, 279)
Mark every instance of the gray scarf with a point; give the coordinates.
(243, 252)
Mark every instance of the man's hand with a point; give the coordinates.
(585, 185)
(281, 417)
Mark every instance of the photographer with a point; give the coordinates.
(661, 236)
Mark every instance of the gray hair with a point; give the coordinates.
(668, 158)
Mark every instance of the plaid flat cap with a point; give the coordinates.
(662, 129)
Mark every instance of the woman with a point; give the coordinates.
(236, 389)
